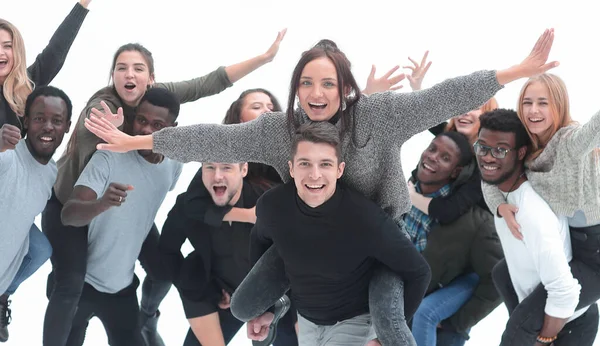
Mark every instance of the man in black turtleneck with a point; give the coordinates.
(330, 239)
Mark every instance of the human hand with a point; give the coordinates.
(10, 136)
(418, 72)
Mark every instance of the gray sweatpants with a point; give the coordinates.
(356, 331)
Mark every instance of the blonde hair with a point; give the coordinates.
(490, 105)
(17, 85)
(558, 102)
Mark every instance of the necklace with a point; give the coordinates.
(513, 185)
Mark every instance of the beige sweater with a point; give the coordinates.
(566, 174)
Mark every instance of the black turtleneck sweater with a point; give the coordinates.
(330, 251)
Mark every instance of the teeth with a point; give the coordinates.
(317, 104)
(464, 122)
(47, 139)
(489, 168)
(536, 120)
(314, 186)
(428, 167)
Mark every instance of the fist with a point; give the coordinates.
(115, 194)
(10, 136)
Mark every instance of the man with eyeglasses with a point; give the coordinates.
(543, 255)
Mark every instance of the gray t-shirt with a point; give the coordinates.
(115, 237)
(25, 187)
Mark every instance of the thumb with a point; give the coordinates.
(256, 328)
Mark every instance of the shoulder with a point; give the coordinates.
(272, 199)
(534, 211)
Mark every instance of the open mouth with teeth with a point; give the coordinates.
(488, 169)
(46, 141)
(317, 106)
(3, 63)
(130, 86)
(219, 190)
(464, 121)
(315, 188)
(536, 120)
(428, 168)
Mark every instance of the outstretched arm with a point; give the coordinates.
(50, 61)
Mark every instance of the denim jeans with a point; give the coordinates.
(440, 305)
(527, 317)
(356, 331)
(267, 282)
(39, 252)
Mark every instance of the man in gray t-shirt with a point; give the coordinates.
(117, 196)
(27, 173)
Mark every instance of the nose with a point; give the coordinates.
(218, 174)
(315, 173)
(129, 72)
(316, 91)
(48, 127)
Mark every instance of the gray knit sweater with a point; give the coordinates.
(566, 174)
(382, 123)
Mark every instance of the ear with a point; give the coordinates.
(341, 168)
(291, 169)
(68, 127)
(522, 152)
(456, 172)
(244, 169)
(174, 124)
(151, 81)
(25, 122)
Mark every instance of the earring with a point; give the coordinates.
(298, 102)
(343, 105)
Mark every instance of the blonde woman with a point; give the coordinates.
(17, 80)
(563, 167)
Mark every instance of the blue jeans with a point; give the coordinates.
(440, 305)
(39, 252)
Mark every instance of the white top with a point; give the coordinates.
(542, 256)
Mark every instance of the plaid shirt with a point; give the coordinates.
(418, 224)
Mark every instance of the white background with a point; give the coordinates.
(191, 38)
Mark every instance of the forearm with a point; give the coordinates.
(509, 75)
(240, 215)
(240, 70)
(420, 202)
(79, 213)
(552, 326)
(207, 330)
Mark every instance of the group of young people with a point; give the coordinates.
(301, 221)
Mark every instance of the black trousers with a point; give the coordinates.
(69, 265)
(527, 318)
(118, 313)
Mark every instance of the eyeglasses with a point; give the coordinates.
(482, 150)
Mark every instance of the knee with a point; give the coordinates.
(500, 274)
(43, 251)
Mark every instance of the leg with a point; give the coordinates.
(119, 315)
(581, 331)
(449, 338)
(310, 333)
(286, 331)
(85, 312)
(69, 260)
(154, 288)
(39, 252)
(527, 319)
(386, 303)
(504, 286)
(263, 286)
(356, 331)
(440, 305)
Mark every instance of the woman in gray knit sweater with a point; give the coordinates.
(373, 129)
(563, 167)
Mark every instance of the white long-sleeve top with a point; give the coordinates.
(542, 256)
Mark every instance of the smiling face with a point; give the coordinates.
(315, 170)
(496, 171)
(255, 104)
(6, 55)
(224, 181)
(318, 90)
(536, 112)
(46, 125)
(439, 164)
(468, 124)
(131, 77)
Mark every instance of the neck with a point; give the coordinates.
(514, 181)
(237, 195)
(427, 189)
(42, 160)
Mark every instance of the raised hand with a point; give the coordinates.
(115, 194)
(116, 139)
(85, 3)
(10, 136)
(383, 83)
(536, 62)
(418, 72)
(272, 51)
(115, 119)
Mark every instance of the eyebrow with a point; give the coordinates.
(136, 64)
(327, 79)
(5, 42)
(539, 98)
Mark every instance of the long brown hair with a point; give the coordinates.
(489, 106)
(17, 85)
(558, 101)
(347, 87)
